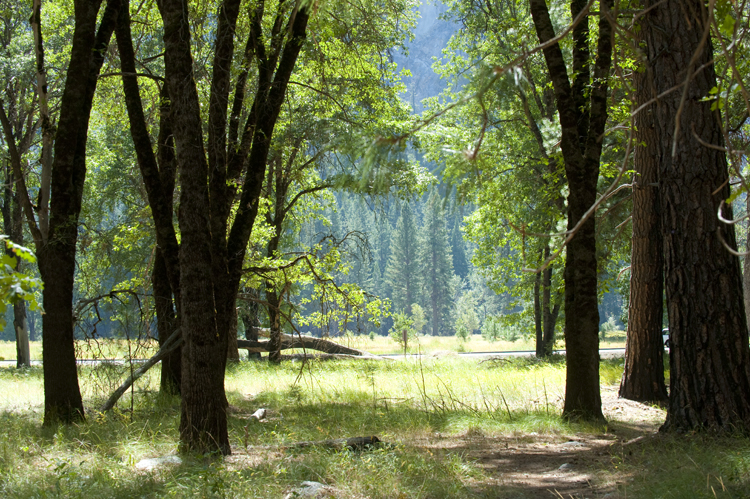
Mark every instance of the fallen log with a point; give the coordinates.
(354, 443)
(289, 341)
(330, 356)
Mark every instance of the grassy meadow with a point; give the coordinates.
(453, 428)
(379, 345)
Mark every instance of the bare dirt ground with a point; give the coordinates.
(564, 466)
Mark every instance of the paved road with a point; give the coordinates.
(605, 353)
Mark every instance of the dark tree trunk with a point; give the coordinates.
(158, 173)
(549, 311)
(538, 326)
(203, 422)
(582, 107)
(62, 396)
(274, 322)
(643, 377)
(20, 323)
(709, 354)
(210, 254)
(166, 322)
(252, 321)
(746, 263)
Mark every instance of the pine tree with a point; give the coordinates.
(458, 245)
(436, 265)
(403, 271)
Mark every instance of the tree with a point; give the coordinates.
(221, 175)
(709, 353)
(19, 127)
(13, 224)
(404, 270)
(436, 264)
(512, 171)
(643, 376)
(63, 171)
(582, 109)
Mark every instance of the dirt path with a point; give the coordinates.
(557, 466)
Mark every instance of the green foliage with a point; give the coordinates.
(418, 316)
(463, 333)
(402, 330)
(403, 274)
(466, 318)
(491, 330)
(608, 327)
(436, 265)
(14, 285)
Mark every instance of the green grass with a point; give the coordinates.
(433, 413)
(117, 349)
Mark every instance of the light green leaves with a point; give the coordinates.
(15, 285)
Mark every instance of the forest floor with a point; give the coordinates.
(518, 464)
(454, 428)
(578, 465)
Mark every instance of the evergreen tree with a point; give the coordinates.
(458, 245)
(436, 265)
(403, 269)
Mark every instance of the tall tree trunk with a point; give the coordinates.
(582, 108)
(62, 396)
(158, 172)
(746, 263)
(549, 311)
(166, 323)
(252, 321)
(709, 353)
(643, 377)
(203, 422)
(538, 326)
(20, 323)
(274, 322)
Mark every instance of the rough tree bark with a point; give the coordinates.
(250, 319)
(643, 377)
(746, 265)
(203, 422)
(709, 355)
(158, 172)
(56, 257)
(582, 108)
(166, 320)
(212, 253)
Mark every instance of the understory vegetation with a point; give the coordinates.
(450, 427)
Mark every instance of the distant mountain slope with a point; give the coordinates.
(431, 37)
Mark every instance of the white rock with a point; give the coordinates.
(308, 489)
(154, 462)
